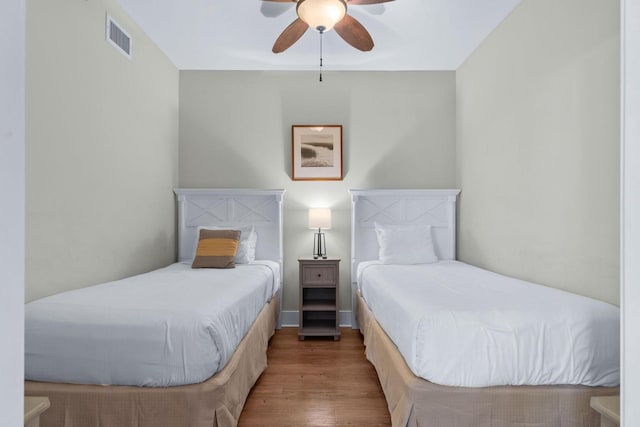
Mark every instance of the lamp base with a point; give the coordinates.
(319, 247)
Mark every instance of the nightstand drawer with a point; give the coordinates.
(319, 275)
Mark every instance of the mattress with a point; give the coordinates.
(169, 327)
(458, 325)
(215, 402)
(413, 401)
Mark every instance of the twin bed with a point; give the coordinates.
(174, 347)
(455, 345)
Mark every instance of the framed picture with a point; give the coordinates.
(316, 152)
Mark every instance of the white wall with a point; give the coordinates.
(630, 212)
(538, 147)
(398, 130)
(12, 24)
(102, 149)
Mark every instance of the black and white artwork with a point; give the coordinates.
(317, 152)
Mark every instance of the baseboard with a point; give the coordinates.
(289, 318)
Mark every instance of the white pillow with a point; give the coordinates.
(405, 244)
(246, 247)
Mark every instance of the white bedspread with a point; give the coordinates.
(459, 325)
(169, 327)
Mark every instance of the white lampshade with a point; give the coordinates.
(320, 218)
(321, 15)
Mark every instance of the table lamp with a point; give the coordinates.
(319, 218)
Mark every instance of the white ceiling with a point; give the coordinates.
(239, 34)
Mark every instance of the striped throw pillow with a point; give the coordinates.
(216, 249)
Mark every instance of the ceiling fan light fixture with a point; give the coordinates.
(321, 15)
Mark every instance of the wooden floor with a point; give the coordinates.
(316, 382)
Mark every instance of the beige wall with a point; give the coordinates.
(101, 150)
(535, 110)
(235, 131)
(538, 147)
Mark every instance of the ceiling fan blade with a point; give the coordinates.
(290, 35)
(357, 2)
(354, 33)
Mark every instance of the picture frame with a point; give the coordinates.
(316, 152)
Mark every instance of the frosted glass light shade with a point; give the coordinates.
(321, 15)
(320, 218)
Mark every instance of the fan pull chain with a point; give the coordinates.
(321, 32)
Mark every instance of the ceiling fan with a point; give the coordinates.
(323, 15)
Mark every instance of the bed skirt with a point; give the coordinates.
(216, 402)
(413, 401)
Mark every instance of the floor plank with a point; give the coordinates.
(316, 382)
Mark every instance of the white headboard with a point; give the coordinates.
(232, 208)
(432, 207)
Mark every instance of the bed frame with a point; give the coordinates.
(219, 400)
(413, 401)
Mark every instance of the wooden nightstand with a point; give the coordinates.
(609, 409)
(33, 407)
(319, 294)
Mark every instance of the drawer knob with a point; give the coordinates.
(319, 275)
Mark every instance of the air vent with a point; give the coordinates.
(118, 37)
